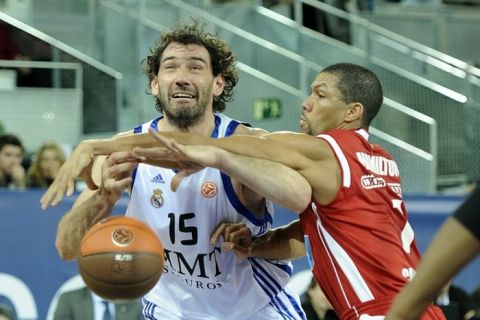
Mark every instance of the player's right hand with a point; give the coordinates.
(79, 164)
(237, 238)
(117, 174)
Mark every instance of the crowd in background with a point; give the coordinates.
(20, 169)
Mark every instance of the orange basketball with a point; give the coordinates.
(120, 258)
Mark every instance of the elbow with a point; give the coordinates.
(303, 198)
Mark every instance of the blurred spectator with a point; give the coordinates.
(9, 49)
(33, 49)
(12, 174)
(476, 296)
(83, 304)
(18, 45)
(45, 166)
(319, 20)
(328, 24)
(456, 303)
(316, 305)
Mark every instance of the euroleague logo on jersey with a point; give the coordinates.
(209, 189)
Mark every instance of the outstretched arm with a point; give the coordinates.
(79, 164)
(451, 249)
(310, 157)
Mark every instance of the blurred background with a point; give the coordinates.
(71, 70)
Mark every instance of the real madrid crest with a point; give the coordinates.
(157, 198)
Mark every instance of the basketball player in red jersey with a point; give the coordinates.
(355, 230)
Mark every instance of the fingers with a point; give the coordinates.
(177, 179)
(240, 250)
(158, 153)
(164, 141)
(232, 232)
(55, 192)
(217, 233)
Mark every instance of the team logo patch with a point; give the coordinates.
(122, 237)
(209, 189)
(157, 198)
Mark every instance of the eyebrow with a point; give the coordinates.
(189, 59)
(317, 85)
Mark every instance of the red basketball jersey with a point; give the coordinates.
(361, 244)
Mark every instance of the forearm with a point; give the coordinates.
(280, 243)
(275, 181)
(141, 140)
(77, 221)
(450, 250)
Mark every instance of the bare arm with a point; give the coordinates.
(93, 206)
(76, 222)
(278, 244)
(277, 182)
(297, 151)
(450, 250)
(310, 157)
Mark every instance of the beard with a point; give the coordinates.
(182, 116)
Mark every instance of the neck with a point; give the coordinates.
(204, 127)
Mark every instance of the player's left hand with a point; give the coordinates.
(237, 238)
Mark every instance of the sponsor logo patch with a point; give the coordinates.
(372, 182)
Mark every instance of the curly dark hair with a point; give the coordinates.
(223, 60)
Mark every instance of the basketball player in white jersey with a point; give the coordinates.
(192, 74)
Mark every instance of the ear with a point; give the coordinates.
(154, 86)
(218, 85)
(354, 112)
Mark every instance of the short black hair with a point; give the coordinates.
(10, 139)
(358, 84)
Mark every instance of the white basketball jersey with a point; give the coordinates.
(200, 280)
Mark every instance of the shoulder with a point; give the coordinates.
(76, 295)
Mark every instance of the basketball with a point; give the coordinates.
(120, 258)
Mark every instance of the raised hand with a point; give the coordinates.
(237, 238)
(79, 164)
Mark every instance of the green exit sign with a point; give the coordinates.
(267, 108)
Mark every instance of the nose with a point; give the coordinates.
(182, 78)
(306, 105)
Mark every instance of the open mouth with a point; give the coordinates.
(183, 95)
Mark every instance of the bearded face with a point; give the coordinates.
(184, 107)
(185, 86)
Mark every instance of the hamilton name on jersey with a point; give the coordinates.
(378, 165)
